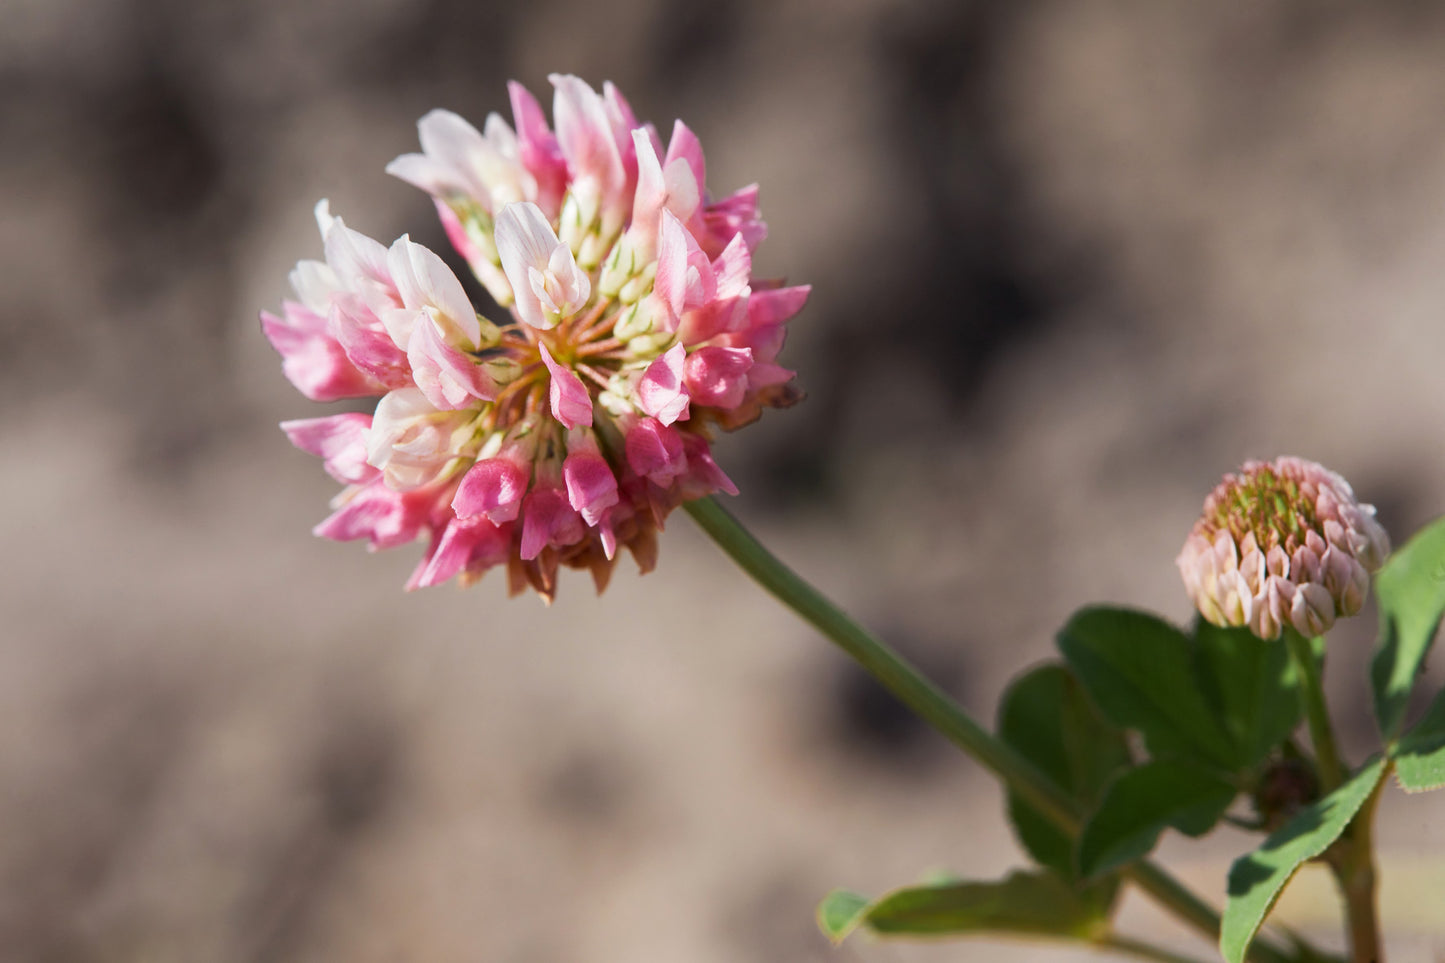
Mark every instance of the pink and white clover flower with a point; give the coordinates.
(571, 429)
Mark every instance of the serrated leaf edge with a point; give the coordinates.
(1253, 929)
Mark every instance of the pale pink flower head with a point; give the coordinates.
(1282, 544)
(568, 430)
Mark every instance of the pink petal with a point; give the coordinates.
(685, 147)
(369, 347)
(1313, 611)
(312, 359)
(571, 404)
(672, 186)
(494, 487)
(375, 512)
(548, 519)
(448, 377)
(591, 486)
(685, 276)
(660, 391)
(619, 112)
(733, 216)
(425, 172)
(540, 152)
(623, 122)
(703, 474)
(457, 233)
(649, 200)
(464, 545)
(718, 376)
(765, 341)
(777, 305)
(339, 440)
(585, 134)
(734, 268)
(765, 374)
(655, 451)
(716, 317)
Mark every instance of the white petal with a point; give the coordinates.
(314, 283)
(322, 211)
(501, 136)
(355, 257)
(525, 241)
(424, 280)
(455, 145)
(421, 171)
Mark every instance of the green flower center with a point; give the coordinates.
(1268, 505)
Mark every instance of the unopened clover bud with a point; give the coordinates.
(1282, 544)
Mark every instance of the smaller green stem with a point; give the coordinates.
(1355, 872)
(1354, 866)
(1145, 951)
(1312, 694)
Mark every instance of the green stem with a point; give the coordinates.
(899, 677)
(1355, 871)
(1354, 867)
(1312, 694)
(1145, 951)
(945, 715)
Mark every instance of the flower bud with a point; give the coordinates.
(1282, 544)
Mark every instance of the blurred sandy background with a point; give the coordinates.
(1071, 261)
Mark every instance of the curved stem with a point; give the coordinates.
(1354, 867)
(945, 715)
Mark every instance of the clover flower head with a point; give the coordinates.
(1282, 544)
(572, 428)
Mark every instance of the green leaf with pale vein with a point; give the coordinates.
(1257, 879)
(1036, 904)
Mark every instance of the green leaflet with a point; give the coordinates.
(1257, 879)
(1141, 673)
(1411, 592)
(1420, 754)
(1253, 686)
(1048, 718)
(1021, 904)
(1142, 803)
